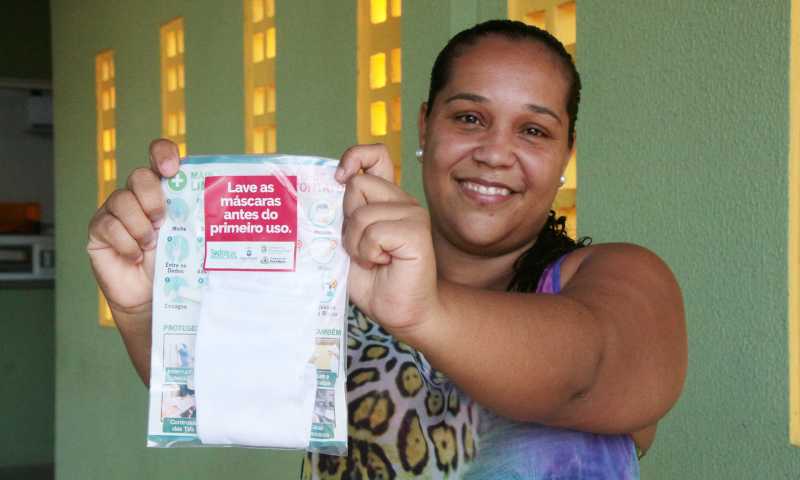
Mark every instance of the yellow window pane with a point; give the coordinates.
(565, 23)
(107, 319)
(172, 44)
(105, 71)
(258, 47)
(571, 173)
(181, 123)
(271, 98)
(377, 70)
(179, 35)
(272, 144)
(259, 101)
(111, 67)
(271, 43)
(106, 102)
(397, 66)
(258, 140)
(258, 10)
(107, 145)
(172, 124)
(270, 8)
(396, 115)
(182, 149)
(377, 11)
(397, 8)
(109, 169)
(106, 170)
(180, 76)
(113, 139)
(377, 119)
(537, 19)
(113, 94)
(172, 79)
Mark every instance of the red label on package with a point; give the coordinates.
(251, 222)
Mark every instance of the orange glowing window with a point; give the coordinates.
(173, 82)
(380, 75)
(106, 161)
(260, 51)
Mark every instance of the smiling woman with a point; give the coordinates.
(483, 343)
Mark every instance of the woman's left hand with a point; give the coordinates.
(388, 237)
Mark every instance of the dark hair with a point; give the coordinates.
(511, 30)
(552, 241)
(551, 244)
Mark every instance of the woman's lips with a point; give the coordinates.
(485, 192)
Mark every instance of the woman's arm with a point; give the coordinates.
(607, 355)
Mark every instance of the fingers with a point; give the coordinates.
(373, 159)
(364, 189)
(106, 229)
(164, 157)
(125, 207)
(146, 187)
(378, 232)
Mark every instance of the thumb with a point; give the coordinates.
(164, 157)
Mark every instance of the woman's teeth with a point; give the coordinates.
(484, 190)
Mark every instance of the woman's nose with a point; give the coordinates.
(495, 149)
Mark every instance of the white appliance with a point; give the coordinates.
(27, 257)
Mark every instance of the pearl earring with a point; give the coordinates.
(418, 153)
(562, 181)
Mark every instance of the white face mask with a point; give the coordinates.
(250, 284)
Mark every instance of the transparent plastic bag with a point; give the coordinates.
(259, 237)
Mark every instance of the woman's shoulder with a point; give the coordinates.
(609, 257)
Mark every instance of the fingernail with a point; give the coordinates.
(157, 224)
(339, 175)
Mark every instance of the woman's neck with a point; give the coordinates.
(493, 272)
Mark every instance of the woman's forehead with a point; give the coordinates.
(494, 62)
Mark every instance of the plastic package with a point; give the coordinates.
(249, 299)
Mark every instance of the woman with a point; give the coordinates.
(456, 367)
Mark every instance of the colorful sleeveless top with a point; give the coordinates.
(407, 420)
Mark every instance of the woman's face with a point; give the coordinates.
(495, 145)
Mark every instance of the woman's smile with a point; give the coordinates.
(484, 191)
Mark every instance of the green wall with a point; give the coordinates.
(683, 120)
(26, 373)
(683, 147)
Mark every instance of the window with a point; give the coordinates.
(173, 106)
(558, 18)
(260, 50)
(380, 74)
(794, 228)
(106, 100)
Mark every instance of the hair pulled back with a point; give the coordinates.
(552, 242)
(511, 30)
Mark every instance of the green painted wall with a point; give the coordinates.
(26, 374)
(684, 106)
(683, 148)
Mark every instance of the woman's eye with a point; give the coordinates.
(534, 131)
(468, 118)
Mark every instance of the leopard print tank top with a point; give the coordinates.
(407, 420)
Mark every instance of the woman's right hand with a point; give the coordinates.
(123, 234)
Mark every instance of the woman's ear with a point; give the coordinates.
(422, 123)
